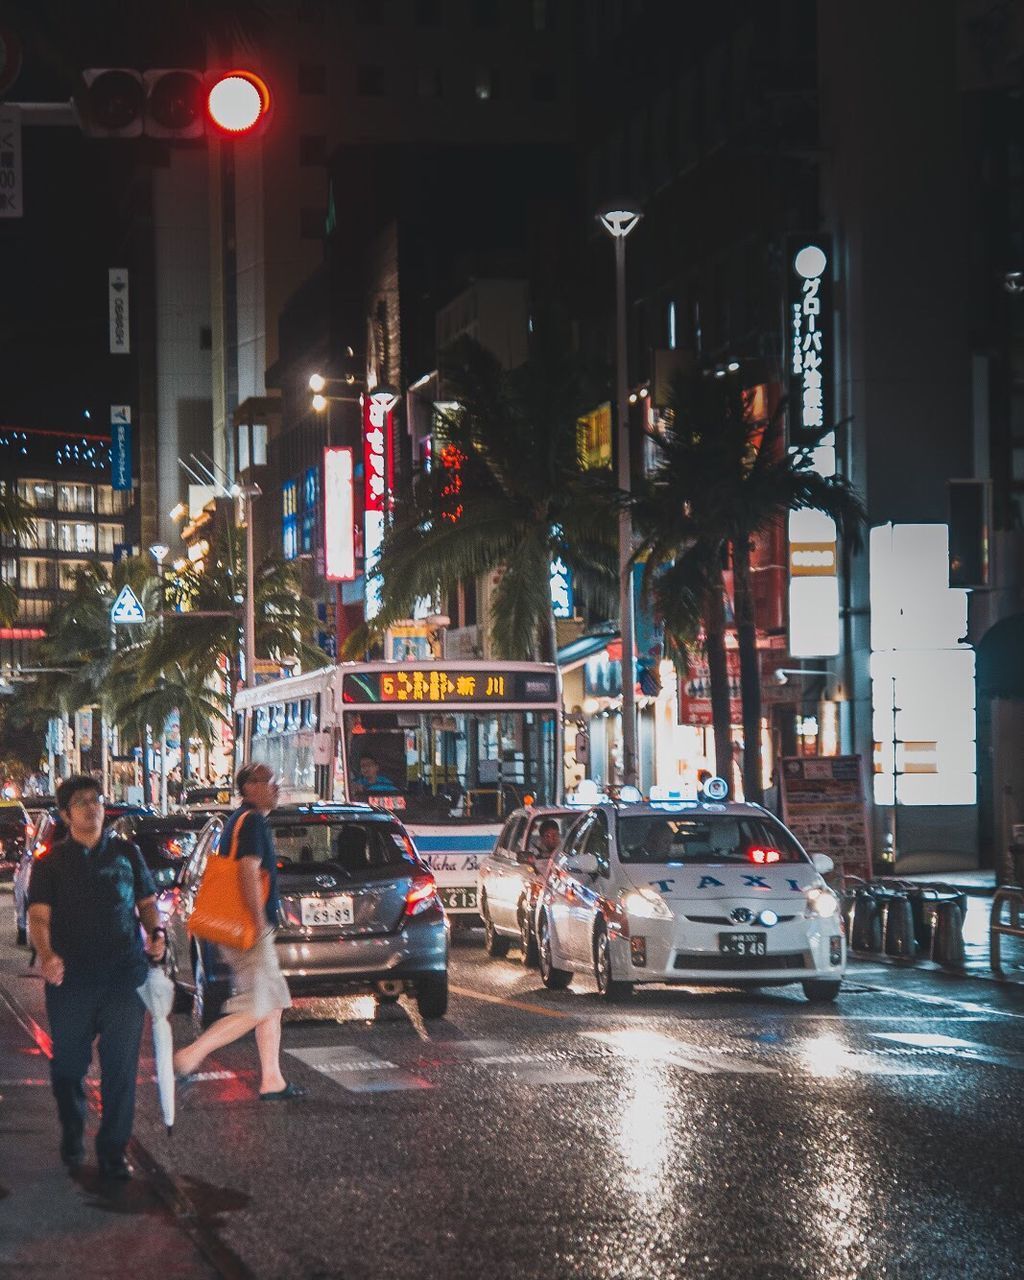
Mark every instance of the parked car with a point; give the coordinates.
(16, 832)
(207, 800)
(50, 829)
(359, 912)
(510, 879)
(689, 892)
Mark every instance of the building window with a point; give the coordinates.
(76, 537)
(37, 493)
(112, 502)
(543, 86)
(312, 77)
(78, 498)
(543, 15)
(289, 519)
(311, 224)
(36, 574)
(109, 535)
(488, 85)
(44, 534)
(485, 13)
(312, 148)
(428, 13)
(370, 81)
(68, 572)
(309, 524)
(311, 488)
(429, 83)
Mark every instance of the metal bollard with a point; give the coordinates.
(947, 934)
(866, 929)
(898, 929)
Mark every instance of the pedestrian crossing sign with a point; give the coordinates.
(127, 608)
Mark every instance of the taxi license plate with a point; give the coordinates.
(743, 944)
(456, 897)
(327, 910)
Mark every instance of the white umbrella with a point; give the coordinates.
(157, 994)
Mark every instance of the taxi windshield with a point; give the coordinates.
(704, 838)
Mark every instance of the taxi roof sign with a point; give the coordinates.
(127, 608)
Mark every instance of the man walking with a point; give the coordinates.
(86, 898)
(259, 992)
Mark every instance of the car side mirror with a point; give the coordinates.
(584, 864)
(822, 863)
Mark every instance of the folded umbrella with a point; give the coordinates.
(157, 994)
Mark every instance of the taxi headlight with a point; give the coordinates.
(822, 903)
(645, 904)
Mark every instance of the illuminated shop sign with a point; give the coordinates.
(810, 339)
(377, 429)
(339, 516)
(449, 685)
(562, 599)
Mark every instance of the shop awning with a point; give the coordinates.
(573, 655)
(1001, 659)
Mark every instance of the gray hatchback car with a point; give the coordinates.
(359, 912)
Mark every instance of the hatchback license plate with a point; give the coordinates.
(327, 910)
(743, 944)
(456, 897)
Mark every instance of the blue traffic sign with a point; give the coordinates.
(127, 608)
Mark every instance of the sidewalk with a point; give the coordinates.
(57, 1227)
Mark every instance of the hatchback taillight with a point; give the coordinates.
(421, 896)
(40, 850)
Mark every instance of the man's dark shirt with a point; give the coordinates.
(255, 840)
(92, 894)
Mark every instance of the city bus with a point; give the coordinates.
(450, 748)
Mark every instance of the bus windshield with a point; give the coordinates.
(450, 766)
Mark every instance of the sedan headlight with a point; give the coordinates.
(645, 904)
(822, 903)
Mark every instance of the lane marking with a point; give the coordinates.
(656, 1047)
(513, 1004)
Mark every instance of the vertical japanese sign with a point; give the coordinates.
(339, 516)
(117, 300)
(121, 446)
(377, 450)
(813, 559)
(810, 339)
(10, 163)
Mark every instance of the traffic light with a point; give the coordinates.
(172, 102)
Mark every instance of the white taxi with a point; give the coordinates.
(690, 892)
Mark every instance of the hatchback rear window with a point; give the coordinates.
(11, 828)
(708, 838)
(353, 846)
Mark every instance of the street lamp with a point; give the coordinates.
(619, 220)
(160, 551)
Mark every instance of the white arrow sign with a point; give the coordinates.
(127, 608)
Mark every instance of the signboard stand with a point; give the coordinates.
(823, 804)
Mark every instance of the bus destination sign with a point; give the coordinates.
(447, 685)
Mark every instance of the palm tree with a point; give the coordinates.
(136, 705)
(203, 639)
(16, 525)
(723, 479)
(506, 494)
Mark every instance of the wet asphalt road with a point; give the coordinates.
(536, 1134)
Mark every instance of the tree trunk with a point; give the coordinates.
(714, 633)
(750, 672)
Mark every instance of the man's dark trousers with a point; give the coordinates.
(78, 1012)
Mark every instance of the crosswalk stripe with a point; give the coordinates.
(357, 1071)
(951, 1046)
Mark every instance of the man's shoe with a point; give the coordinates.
(72, 1157)
(117, 1170)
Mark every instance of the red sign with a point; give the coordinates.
(695, 691)
(376, 448)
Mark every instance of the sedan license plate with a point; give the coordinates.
(743, 944)
(334, 911)
(456, 897)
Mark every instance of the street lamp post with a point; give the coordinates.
(619, 221)
(159, 551)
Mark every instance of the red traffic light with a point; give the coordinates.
(236, 102)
